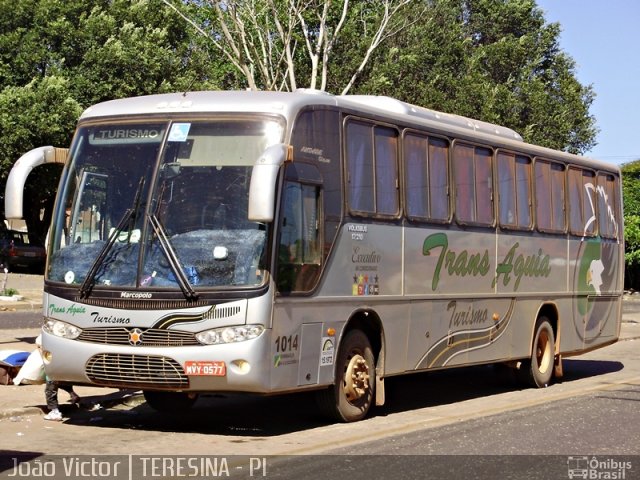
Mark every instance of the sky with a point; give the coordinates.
(603, 38)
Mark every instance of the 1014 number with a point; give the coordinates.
(286, 343)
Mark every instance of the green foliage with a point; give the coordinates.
(58, 57)
(42, 112)
(494, 60)
(631, 199)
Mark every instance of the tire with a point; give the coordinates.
(170, 401)
(538, 370)
(351, 396)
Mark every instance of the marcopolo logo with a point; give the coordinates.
(136, 295)
(597, 468)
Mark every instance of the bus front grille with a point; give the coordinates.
(141, 371)
(149, 337)
(141, 304)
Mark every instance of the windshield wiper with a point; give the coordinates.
(128, 220)
(174, 262)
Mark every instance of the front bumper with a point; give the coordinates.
(160, 368)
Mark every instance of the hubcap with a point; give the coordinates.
(543, 352)
(356, 378)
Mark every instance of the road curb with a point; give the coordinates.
(15, 413)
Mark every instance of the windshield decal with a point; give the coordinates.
(121, 136)
(179, 132)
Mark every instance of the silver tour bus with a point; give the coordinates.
(269, 242)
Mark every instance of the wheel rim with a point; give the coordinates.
(356, 379)
(543, 351)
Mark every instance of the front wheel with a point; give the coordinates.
(170, 401)
(539, 368)
(349, 399)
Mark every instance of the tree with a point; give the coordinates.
(494, 60)
(263, 39)
(60, 56)
(631, 201)
(40, 113)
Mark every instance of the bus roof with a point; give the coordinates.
(288, 104)
(281, 102)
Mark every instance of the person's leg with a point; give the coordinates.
(51, 396)
(75, 398)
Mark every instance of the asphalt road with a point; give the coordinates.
(14, 320)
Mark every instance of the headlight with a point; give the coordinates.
(229, 334)
(61, 329)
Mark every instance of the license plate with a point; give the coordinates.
(29, 254)
(213, 369)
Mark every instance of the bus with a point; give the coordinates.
(272, 242)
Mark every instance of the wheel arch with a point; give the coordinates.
(369, 322)
(550, 311)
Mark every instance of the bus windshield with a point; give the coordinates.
(161, 205)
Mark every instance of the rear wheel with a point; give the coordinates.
(170, 401)
(349, 399)
(538, 370)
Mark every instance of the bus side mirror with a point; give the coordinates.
(14, 188)
(262, 189)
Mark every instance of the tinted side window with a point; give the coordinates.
(474, 184)
(582, 215)
(359, 140)
(514, 189)
(299, 251)
(550, 196)
(372, 166)
(607, 206)
(426, 177)
(386, 160)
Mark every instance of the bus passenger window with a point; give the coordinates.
(426, 177)
(544, 213)
(607, 206)
(484, 186)
(439, 179)
(386, 145)
(463, 172)
(558, 195)
(514, 190)
(360, 162)
(473, 181)
(550, 196)
(416, 176)
(582, 213)
(372, 162)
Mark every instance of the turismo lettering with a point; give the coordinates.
(121, 133)
(97, 318)
(470, 316)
